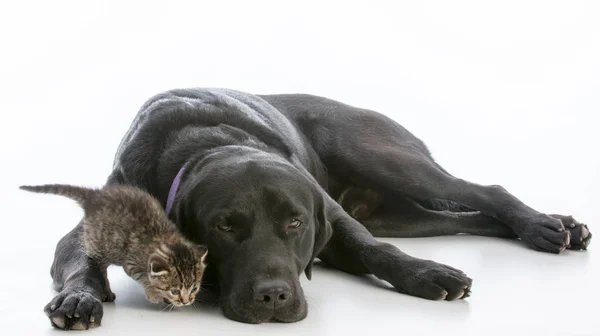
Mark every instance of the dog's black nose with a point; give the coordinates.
(271, 293)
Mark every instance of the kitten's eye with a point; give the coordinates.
(224, 227)
(175, 291)
(294, 224)
(195, 289)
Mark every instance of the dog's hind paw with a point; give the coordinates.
(580, 234)
(544, 233)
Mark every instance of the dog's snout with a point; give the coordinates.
(274, 293)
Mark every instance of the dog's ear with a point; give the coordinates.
(323, 232)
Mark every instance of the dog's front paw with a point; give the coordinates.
(74, 309)
(436, 281)
(581, 236)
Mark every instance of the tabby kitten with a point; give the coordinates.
(126, 226)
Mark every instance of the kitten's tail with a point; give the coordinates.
(79, 194)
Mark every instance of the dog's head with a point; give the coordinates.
(263, 220)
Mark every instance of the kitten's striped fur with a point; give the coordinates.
(126, 226)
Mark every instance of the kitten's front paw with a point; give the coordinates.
(74, 309)
(109, 297)
(153, 296)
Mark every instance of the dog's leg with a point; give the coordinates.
(403, 217)
(398, 216)
(354, 250)
(372, 151)
(80, 283)
(401, 170)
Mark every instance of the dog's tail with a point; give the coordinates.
(80, 194)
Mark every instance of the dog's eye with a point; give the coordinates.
(224, 227)
(294, 223)
(175, 291)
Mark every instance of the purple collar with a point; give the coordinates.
(173, 190)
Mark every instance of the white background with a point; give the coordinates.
(503, 92)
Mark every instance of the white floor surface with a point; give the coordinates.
(502, 94)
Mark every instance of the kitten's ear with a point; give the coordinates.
(202, 251)
(158, 267)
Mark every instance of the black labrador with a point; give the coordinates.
(271, 182)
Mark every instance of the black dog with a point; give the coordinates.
(271, 182)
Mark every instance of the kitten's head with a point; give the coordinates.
(175, 272)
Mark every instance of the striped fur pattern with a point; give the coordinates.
(126, 226)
